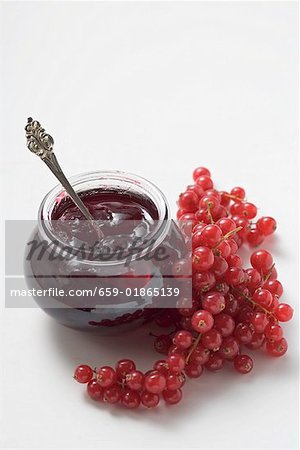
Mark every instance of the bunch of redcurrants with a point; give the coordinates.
(232, 307)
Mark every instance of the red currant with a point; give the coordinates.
(213, 302)
(262, 261)
(95, 391)
(266, 225)
(273, 332)
(277, 348)
(149, 400)
(203, 259)
(135, 380)
(193, 370)
(183, 339)
(199, 172)
(106, 376)
(284, 312)
(130, 399)
(202, 321)
(83, 374)
(155, 382)
(243, 364)
(172, 397)
(112, 394)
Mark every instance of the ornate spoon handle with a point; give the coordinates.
(41, 143)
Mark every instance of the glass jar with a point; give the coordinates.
(106, 294)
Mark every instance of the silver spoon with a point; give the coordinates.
(41, 143)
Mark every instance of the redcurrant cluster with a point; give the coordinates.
(232, 307)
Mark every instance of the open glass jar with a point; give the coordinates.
(111, 281)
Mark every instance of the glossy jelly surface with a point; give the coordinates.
(122, 216)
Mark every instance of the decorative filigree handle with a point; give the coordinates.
(41, 143)
(38, 141)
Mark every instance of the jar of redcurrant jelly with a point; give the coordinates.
(116, 272)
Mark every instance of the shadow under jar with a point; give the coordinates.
(111, 281)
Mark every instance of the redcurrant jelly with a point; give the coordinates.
(116, 272)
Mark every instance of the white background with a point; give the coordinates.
(155, 89)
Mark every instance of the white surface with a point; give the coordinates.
(155, 89)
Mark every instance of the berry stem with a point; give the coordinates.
(266, 311)
(227, 235)
(233, 197)
(266, 277)
(208, 206)
(196, 342)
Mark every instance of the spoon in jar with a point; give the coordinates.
(41, 143)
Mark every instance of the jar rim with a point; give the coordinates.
(150, 189)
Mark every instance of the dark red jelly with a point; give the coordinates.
(114, 279)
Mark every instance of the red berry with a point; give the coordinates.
(248, 209)
(199, 171)
(209, 202)
(255, 237)
(95, 391)
(219, 267)
(284, 312)
(149, 400)
(253, 279)
(263, 297)
(215, 362)
(193, 370)
(112, 394)
(266, 225)
(241, 222)
(212, 339)
(106, 376)
(274, 286)
(161, 366)
(231, 305)
(224, 324)
(180, 213)
(210, 235)
(175, 363)
(200, 355)
(229, 348)
(195, 188)
(277, 348)
(130, 399)
(123, 367)
(243, 333)
(238, 192)
(234, 276)
(234, 261)
(273, 332)
(225, 198)
(226, 225)
(174, 381)
(243, 364)
(202, 321)
(205, 182)
(135, 380)
(257, 341)
(172, 397)
(203, 259)
(259, 322)
(183, 339)
(83, 373)
(223, 249)
(213, 302)
(189, 201)
(262, 261)
(155, 382)
(204, 281)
